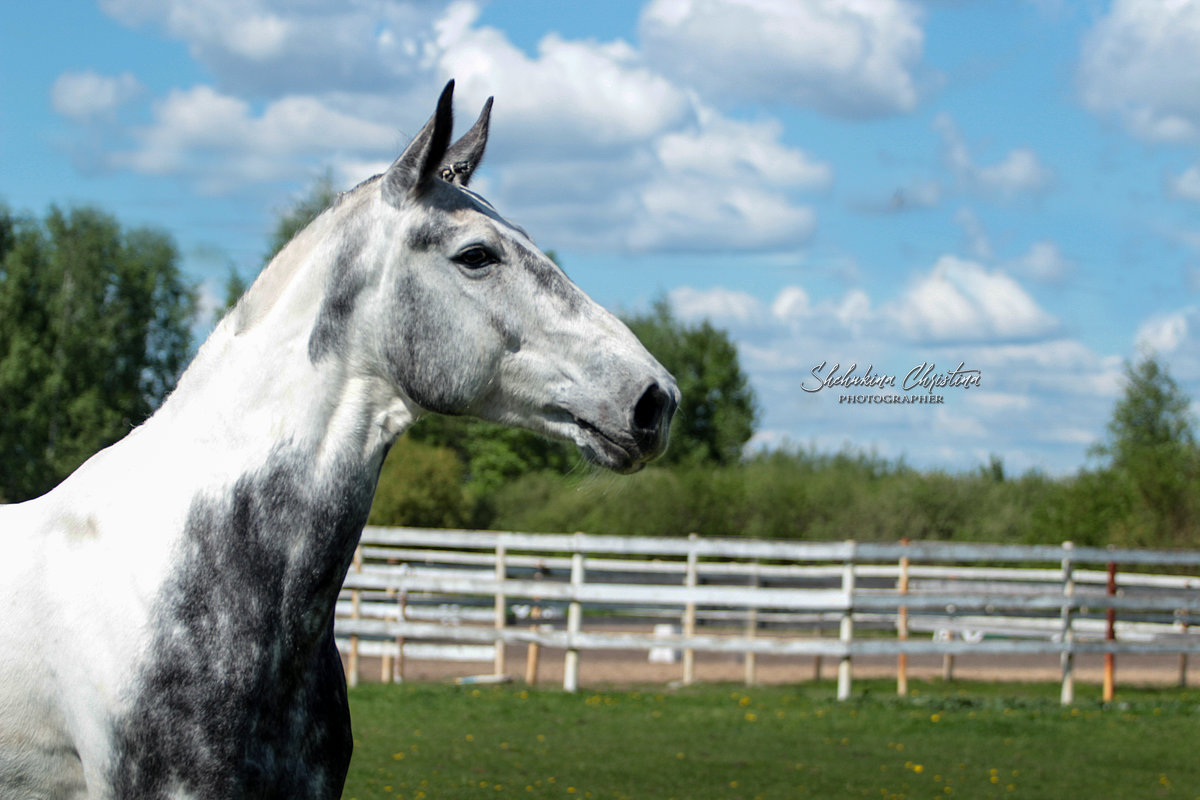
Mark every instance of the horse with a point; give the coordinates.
(168, 608)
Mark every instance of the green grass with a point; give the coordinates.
(964, 740)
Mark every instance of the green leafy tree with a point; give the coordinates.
(717, 414)
(422, 486)
(493, 454)
(95, 327)
(1151, 446)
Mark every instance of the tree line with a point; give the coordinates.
(95, 327)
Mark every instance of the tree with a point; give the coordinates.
(95, 328)
(1151, 445)
(421, 486)
(717, 414)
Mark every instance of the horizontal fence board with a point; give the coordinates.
(446, 588)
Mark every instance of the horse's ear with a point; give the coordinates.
(418, 166)
(464, 155)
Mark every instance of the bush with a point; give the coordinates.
(422, 486)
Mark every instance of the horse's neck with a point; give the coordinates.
(255, 385)
(272, 455)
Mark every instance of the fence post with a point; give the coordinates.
(1110, 636)
(1181, 623)
(846, 632)
(401, 615)
(534, 651)
(902, 626)
(574, 620)
(752, 630)
(690, 580)
(501, 607)
(385, 658)
(1068, 631)
(355, 613)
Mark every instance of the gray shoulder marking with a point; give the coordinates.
(243, 695)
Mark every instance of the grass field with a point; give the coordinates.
(426, 742)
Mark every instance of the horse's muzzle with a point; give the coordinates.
(651, 420)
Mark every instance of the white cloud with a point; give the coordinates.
(85, 95)
(1173, 337)
(219, 140)
(1044, 262)
(845, 59)
(961, 300)
(1140, 63)
(275, 47)
(1019, 172)
(574, 94)
(592, 146)
(731, 150)
(1186, 185)
(979, 245)
(791, 303)
(1164, 333)
(718, 304)
(693, 213)
(1017, 411)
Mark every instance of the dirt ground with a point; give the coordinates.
(629, 668)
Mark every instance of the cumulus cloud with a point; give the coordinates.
(1029, 371)
(1166, 333)
(717, 303)
(743, 151)
(274, 47)
(1019, 172)
(572, 94)
(87, 95)
(1186, 185)
(845, 59)
(593, 146)
(1044, 262)
(1140, 64)
(960, 300)
(219, 140)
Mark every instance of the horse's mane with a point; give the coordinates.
(271, 283)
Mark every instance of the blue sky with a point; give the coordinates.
(1014, 186)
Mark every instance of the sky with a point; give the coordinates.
(888, 190)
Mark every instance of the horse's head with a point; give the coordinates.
(477, 320)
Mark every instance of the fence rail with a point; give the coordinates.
(465, 595)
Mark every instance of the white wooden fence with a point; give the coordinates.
(465, 595)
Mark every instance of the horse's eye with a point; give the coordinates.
(476, 257)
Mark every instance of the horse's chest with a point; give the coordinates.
(194, 732)
(243, 693)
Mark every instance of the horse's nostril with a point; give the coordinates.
(648, 412)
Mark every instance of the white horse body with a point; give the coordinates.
(168, 608)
